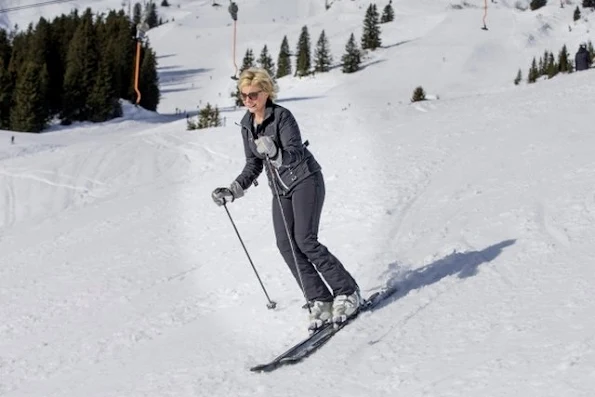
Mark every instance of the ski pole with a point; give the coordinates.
(295, 261)
(270, 304)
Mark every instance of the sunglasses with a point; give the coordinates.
(251, 95)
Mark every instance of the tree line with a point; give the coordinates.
(74, 68)
(321, 61)
(549, 65)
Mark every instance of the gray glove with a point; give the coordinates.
(223, 195)
(266, 146)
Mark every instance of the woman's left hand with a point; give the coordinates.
(266, 146)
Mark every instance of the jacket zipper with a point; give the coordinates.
(276, 172)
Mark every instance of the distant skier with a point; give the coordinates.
(272, 140)
(12, 140)
(582, 59)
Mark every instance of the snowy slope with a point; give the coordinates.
(119, 277)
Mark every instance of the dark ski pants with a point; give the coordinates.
(302, 208)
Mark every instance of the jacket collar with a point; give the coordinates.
(248, 117)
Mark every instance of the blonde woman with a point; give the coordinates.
(273, 142)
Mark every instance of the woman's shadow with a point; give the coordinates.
(463, 264)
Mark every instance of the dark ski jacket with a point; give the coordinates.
(582, 60)
(297, 161)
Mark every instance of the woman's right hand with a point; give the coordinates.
(222, 195)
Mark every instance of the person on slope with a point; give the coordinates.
(272, 140)
(582, 59)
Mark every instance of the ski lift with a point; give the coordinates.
(485, 14)
(142, 27)
(233, 10)
(141, 30)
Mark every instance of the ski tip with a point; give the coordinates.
(263, 368)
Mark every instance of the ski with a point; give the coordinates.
(318, 338)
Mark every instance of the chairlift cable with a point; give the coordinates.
(34, 5)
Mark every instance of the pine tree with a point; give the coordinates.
(388, 14)
(216, 120)
(418, 94)
(103, 104)
(164, 3)
(5, 97)
(247, 63)
(248, 60)
(563, 56)
(208, 117)
(577, 14)
(322, 55)
(204, 116)
(352, 58)
(6, 79)
(20, 51)
(588, 3)
(149, 80)
(120, 53)
(29, 113)
(265, 61)
(544, 62)
(81, 67)
(303, 62)
(518, 78)
(284, 59)
(371, 32)
(151, 12)
(533, 72)
(137, 13)
(591, 51)
(552, 67)
(537, 4)
(41, 49)
(237, 97)
(191, 124)
(63, 29)
(5, 48)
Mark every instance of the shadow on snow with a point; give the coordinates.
(461, 264)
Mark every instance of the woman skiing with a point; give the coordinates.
(272, 140)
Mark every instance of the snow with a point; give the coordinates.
(120, 277)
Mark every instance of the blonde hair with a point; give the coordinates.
(261, 78)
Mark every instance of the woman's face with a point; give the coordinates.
(254, 98)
